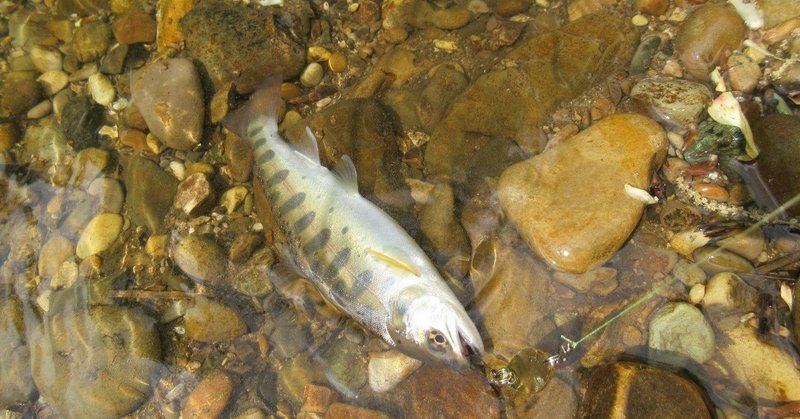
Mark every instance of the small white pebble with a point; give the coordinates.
(101, 89)
(696, 293)
(178, 170)
(786, 294)
(639, 20)
(41, 110)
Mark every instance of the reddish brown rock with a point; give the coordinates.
(445, 393)
(346, 411)
(195, 194)
(209, 398)
(707, 35)
(134, 27)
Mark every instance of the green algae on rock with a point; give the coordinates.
(476, 138)
(569, 203)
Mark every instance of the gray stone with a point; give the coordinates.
(674, 100)
(682, 328)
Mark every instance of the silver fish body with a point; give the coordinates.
(358, 257)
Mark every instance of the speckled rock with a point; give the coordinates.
(134, 27)
(240, 45)
(212, 321)
(91, 40)
(681, 328)
(502, 110)
(210, 397)
(443, 392)
(170, 98)
(80, 121)
(569, 203)
(238, 157)
(674, 100)
(778, 139)
(150, 192)
(627, 389)
(17, 96)
(74, 363)
(709, 30)
(195, 194)
(199, 257)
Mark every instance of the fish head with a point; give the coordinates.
(437, 329)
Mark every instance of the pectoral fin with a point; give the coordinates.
(398, 259)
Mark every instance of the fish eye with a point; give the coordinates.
(436, 340)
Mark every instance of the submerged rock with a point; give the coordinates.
(705, 35)
(210, 397)
(676, 100)
(150, 192)
(443, 392)
(15, 373)
(570, 204)
(170, 98)
(627, 389)
(240, 45)
(778, 139)
(212, 321)
(498, 116)
(681, 328)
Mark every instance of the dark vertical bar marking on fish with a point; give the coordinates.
(253, 131)
(267, 156)
(292, 203)
(273, 196)
(304, 222)
(362, 279)
(317, 242)
(277, 178)
(339, 261)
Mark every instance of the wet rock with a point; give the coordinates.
(778, 139)
(681, 328)
(199, 257)
(80, 121)
(476, 138)
(346, 411)
(240, 45)
(599, 279)
(18, 96)
(75, 363)
(317, 399)
(134, 27)
(53, 81)
(440, 226)
(705, 35)
(346, 366)
(363, 130)
(765, 371)
(296, 374)
(388, 369)
(101, 89)
(651, 7)
(210, 397)
(150, 192)
(79, 217)
(170, 98)
(238, 157)
(635, 390)
(45, 59)
(114, 60)
(513, 302)
(570, 204)
(749, 245)
(212, 321)
(743, 73)
(91, 40)
(312, 75)
(689, 273)
(109, 193)
(55, 251)
(15, 373)
(195, 195)
(443, 392)
(508, 8)
(675, 100)
(777, 11)
(714, 260)
(727, 291)
(88, 164)
(288, 338)
(45, 141)
(252, 278)
(99, 234)
(168, 31)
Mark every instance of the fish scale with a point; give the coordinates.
(358, 257)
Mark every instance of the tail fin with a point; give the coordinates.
(263, 105)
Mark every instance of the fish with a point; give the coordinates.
(359, 258)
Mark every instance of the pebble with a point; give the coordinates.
(99, 234)
(714, 260)
(677, 101)
(252, 278)
(134, 27)
(449, 393)
(651, 7)
(150, 192)
(346, 411)
(53, 254)
(628, 389)
(109, 192)
(238, 157)
(727, 291)
(101, 89)
(91, 40)
(312, 75)
(337, 62)
(46, 59)
(209, 398)
(749, 245)
(114, 60)
(80, 121)
(743, 73)
(41, 110)
(697, 293)
(53, 81)
(585, 281)
(508, 8)
(317, 399)
(682, 328)
(9, 135)
(233, 198)
(195, 195)
(566, 225)
(212, 321)
(388, 369)
(19, 95)
(199, 257)
(689, 273)
(707, 33)
(163, 92)
(87, 165)
(640, 20)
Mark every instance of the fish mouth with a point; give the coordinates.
(470, 354)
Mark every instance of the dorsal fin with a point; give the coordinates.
(346, 171)
(397, 260)
(308, 147)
